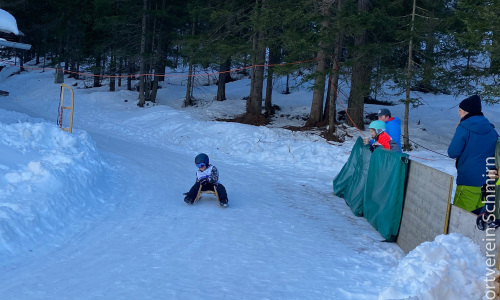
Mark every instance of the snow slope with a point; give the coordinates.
(99, 213)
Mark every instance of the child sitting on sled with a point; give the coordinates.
(208, 177)
(380, 137)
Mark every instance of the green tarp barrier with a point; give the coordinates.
(384, 192)
(350, 182)
(372, 184)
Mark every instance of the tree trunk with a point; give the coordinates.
(360, 80)
(176, 58)
(21, 62)
(150, 92)
(112, 79)
(188, 101)
(160, 54)
(97, 72)
(273, 59)
(287, 88)
(326, 111)
(409, 75)
(360, 85)
(155, 58)
(223, 77)
(334, 79)
(72, 68)
(120, 67)
(130, 73)
(254, 102)
(142, 68)
(75, 68)
(154, 88)
(334, 90)
(316, 113)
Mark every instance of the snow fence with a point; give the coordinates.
(406, 201)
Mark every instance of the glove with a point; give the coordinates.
(373, 147)
(204, 181)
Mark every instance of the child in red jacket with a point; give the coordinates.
(380, 137)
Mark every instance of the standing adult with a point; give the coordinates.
(473, 143)
(392, 125)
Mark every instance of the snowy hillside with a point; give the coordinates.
(99, 213)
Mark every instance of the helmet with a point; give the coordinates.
(201, 158)
(378, 126)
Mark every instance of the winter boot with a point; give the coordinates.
(223, 202)
(188, 200)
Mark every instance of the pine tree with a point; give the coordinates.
(479, 37)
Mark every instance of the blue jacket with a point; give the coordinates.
(393, 129)
(474, 141)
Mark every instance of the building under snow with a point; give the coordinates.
(9, 33)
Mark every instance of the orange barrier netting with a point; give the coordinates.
(214, 73)
(163, 75)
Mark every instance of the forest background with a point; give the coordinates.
(437, 46)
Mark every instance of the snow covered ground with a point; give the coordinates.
(99, 213)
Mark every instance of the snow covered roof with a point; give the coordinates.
(8, 23)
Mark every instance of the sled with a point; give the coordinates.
(213, 192)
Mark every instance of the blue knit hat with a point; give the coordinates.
(472, 105)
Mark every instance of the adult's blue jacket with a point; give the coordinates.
(474, 141)
(393, 129)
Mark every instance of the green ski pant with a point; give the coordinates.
(468, 197)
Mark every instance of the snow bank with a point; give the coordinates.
(450, 267)
(48, 177)
(273, 146)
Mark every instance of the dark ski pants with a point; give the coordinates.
(221, 190)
